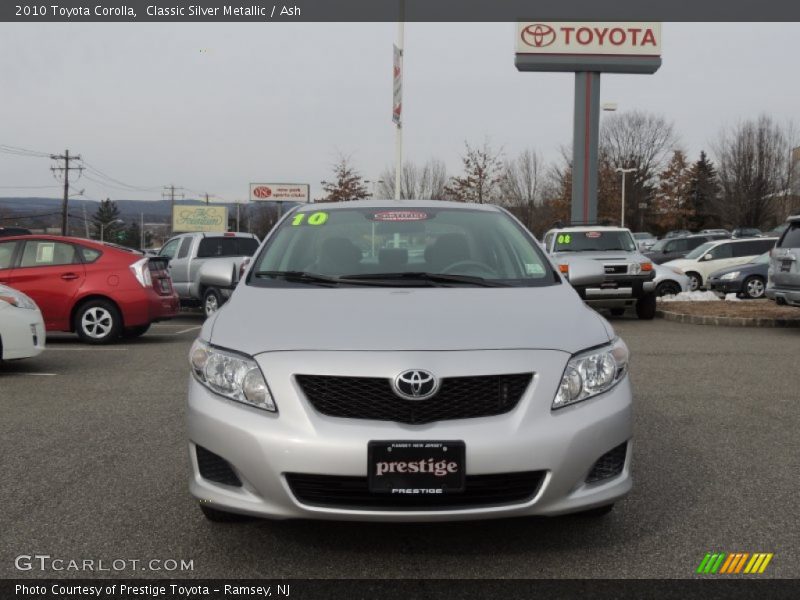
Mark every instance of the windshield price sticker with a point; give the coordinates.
(564, 238)
(400, 215)
(593, 234)
(314, 219)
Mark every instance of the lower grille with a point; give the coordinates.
(616, 269)
(609, 465)
(353, 492)
(373, 398)
(215, 468)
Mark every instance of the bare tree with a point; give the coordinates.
(642, 141)
(482, 174)
(521, 181)
(754, 165)
(422, 183)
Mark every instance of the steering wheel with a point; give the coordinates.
(457, 268)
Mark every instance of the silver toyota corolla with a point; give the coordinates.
(411, 361)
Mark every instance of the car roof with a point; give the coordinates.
(589, 228)
(397, 204)
(69, 239)
(741, 240)
(793, 218)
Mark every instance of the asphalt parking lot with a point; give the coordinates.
(95, 466)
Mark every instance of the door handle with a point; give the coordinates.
(69, 276)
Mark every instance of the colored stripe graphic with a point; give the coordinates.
(734, 563)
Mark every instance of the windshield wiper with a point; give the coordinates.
(298, 277)
(424, 276)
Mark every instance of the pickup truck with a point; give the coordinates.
(191, 254)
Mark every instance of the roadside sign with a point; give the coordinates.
(279, 192)
(199, 218)
(590, 38)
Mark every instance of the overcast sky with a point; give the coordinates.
(212, 107)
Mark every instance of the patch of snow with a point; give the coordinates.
(692, 297)
(732, 298)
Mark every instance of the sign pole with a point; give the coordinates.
(586, 131)
(398, 101)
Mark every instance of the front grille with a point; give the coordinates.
(215, 468)
(609, 465)
(616, 269)
(353, 492)
(373, 398)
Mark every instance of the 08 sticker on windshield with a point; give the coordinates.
(314, 219)
(564, 238)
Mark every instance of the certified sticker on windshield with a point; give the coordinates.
(400, 215)
(593, 234)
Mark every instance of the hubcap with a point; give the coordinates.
(694, 283)
(211, 305)
(755, 288)
(97, 322)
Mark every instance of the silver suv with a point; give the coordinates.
(407, 361)
(783, 283)
(629, 275)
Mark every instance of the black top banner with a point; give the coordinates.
(391, 10)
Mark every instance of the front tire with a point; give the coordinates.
(695, 282)
(98, 322)
(212, 301)
(646, 307)
(753, 287)
(668, 288)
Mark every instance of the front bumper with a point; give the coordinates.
(724, 287)
(262, 447)
(23, 334)
(624, 293)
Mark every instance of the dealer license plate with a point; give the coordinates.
(416, 467)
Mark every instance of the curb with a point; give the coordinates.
(726, 321)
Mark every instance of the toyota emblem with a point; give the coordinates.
(416, 384)
(538, 35)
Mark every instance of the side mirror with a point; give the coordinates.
(707, 257)
(584, 272)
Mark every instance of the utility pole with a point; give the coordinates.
(169, 192)
(624, 172)
(65, 170)
(398, 100)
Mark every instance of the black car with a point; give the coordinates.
(747, 281)
(745, 232)
(672, 248)
(7, 231)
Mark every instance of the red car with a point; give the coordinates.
(99, 291)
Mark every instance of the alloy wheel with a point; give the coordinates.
(97, 322)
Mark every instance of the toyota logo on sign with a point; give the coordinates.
(416, 384)
(262, 191)
(538, 35)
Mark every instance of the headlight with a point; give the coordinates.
(730, 276)
(634, 269)
(18, 299)
(592, 373)
(231, 375)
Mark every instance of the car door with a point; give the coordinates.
(179, 267)
(50, 272)
(7, 259)
(721, 256)
(676, 249)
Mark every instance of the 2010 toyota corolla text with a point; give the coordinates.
(411, 361)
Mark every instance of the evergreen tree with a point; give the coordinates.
(348, 184)
(673, 205)
(704, 194)
(105, 218)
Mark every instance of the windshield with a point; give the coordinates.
(588, 241)
(659, 245)
(700, 250)
(410, 247)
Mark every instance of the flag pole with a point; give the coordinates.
(398, 101)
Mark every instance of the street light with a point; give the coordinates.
(104, 225)
(624, 172)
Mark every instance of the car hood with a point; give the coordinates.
(681, 263)
(258, 319)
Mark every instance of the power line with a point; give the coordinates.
(27, 187)
(16, 150)
(99, 173)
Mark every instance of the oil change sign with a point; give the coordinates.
(603, 38)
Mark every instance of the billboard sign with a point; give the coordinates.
(570, 38)
(279, 192)
(199, 218)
